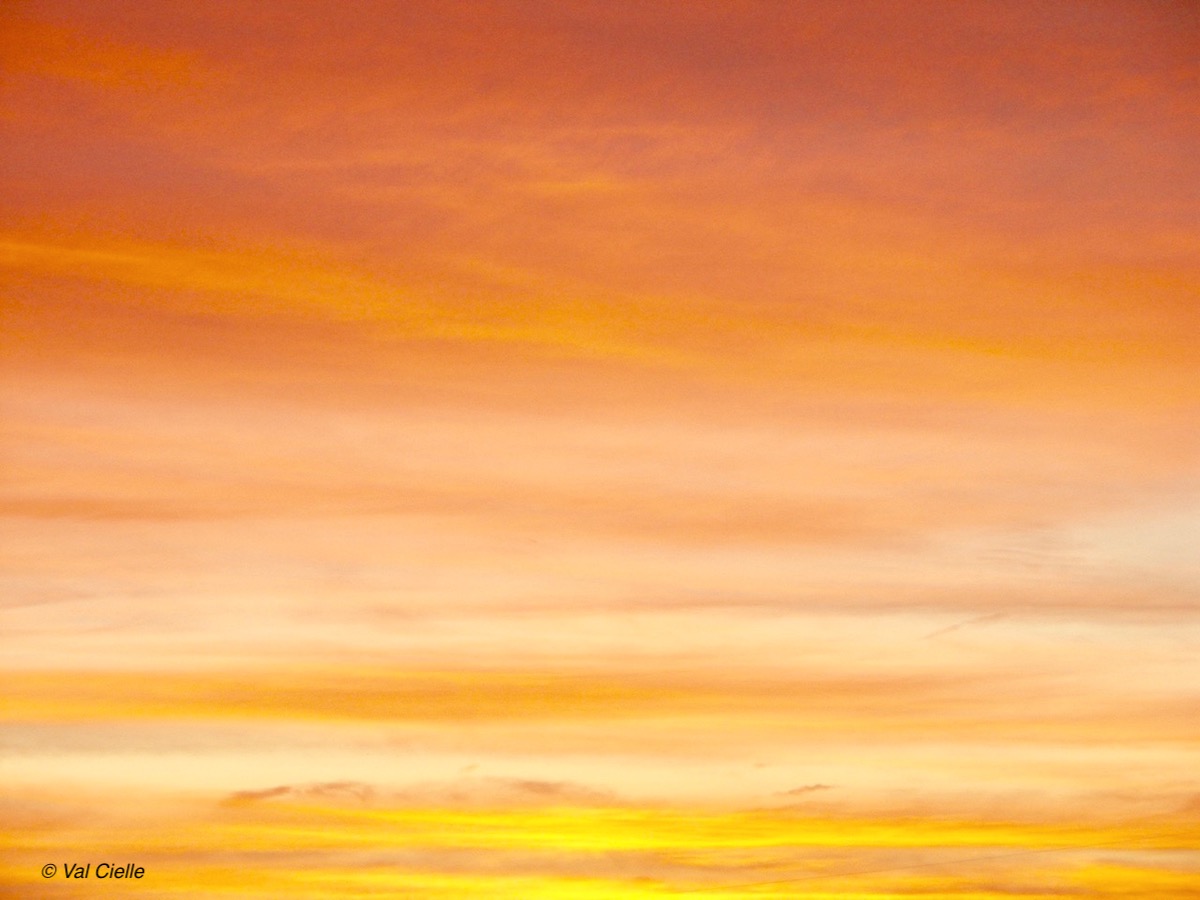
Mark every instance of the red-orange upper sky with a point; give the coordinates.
(984, 177)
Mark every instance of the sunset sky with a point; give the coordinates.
(593, 449)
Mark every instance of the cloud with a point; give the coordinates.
(77, 55)
(325, 792)
(805, 789)
(466, 792)
(978, 620)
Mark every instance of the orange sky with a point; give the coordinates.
(590, 450)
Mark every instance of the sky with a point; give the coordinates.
(600, 449)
